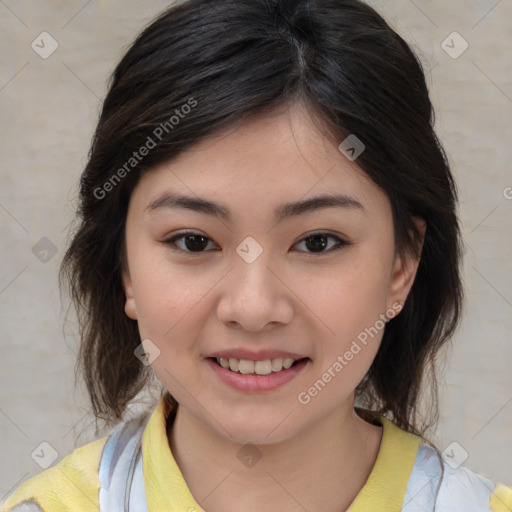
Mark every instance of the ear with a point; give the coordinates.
(404, 270)
(130, 307)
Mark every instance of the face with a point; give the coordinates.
(257, 283)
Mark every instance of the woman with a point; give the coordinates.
(268, 223)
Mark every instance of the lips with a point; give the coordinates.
(254, 383)
(259, 355)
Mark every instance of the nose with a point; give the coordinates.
(255, 295)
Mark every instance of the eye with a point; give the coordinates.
(318, 241)
(196, 242)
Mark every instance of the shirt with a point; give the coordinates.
(133, 470)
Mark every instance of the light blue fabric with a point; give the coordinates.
(423, 483)
(436, 486)
(120, 461)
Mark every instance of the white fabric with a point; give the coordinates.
(119, 454)
(435, 486)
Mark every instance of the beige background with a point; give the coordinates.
(48, 110)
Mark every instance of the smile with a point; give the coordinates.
(256, 376)
(247, 367)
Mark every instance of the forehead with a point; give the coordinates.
(266, 160)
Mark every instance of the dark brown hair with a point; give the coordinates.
(203, 66)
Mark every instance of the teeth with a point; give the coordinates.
(263, 367)
(287, 363)
(277, 364)
(248, 367)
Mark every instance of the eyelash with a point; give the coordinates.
(170, 242)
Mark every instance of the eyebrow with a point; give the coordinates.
(283, 211)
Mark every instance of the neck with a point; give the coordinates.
(322, 468)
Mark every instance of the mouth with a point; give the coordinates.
(261, 368)
(257, 376)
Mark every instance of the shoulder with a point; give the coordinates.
(462, 487)
(453, 487)
(76, 482)
(72, 484)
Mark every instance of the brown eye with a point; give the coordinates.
(317, 242)
(192, 242)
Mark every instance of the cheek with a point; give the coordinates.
(355, 290)
(168, 309)
(350, 304)
(165, 299)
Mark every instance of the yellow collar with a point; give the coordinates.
(386, 486)
(384, 490)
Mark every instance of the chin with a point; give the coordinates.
(267, 429)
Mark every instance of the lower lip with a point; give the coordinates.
(256, 383)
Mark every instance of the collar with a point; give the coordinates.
(386, 486)
(384, 490)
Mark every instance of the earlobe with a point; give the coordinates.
(405, 269)
(130, 307)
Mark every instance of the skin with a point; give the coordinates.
(190, 304)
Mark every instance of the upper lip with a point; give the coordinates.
(259, 355)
